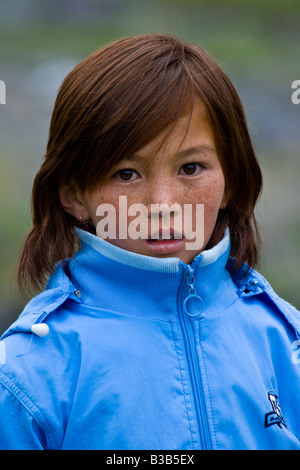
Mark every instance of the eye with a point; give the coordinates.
(191, 169)
(126, 174)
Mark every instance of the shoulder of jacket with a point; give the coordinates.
(250, 282)
(58, 290)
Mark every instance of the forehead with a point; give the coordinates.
(190, 132)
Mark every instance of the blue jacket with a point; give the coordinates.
(124, 351)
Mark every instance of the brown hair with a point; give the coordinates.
(112, 104)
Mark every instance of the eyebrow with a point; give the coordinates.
(196, 150)
(201, 149)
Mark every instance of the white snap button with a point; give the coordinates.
(40, 329)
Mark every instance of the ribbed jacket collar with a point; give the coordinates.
(149, 263)
(114, 279)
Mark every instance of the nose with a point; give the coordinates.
(163, 206)
(162, 191)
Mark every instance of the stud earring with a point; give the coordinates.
(87, 225)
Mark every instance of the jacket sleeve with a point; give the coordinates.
(19, 428)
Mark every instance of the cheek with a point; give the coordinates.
(118, 209)
(211, 194)
(104, 195)
(209, 191)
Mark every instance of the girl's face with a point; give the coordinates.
(180, 168)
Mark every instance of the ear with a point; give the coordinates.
(224, 202)
(73, 202)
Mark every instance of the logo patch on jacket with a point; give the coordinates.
(275, 416)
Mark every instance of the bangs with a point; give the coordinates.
(125, 107)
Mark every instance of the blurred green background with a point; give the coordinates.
(256, 41)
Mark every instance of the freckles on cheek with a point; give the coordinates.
(210, 194)
(102, 197)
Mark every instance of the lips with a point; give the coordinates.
(165, 242)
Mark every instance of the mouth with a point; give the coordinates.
(162, 238)
(165, 235)
(165, 242)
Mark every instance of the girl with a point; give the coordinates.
(148, 342)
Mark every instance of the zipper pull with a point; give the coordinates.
(192, 297)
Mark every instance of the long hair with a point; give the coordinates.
(112, 104)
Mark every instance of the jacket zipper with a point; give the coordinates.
(192, 359)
